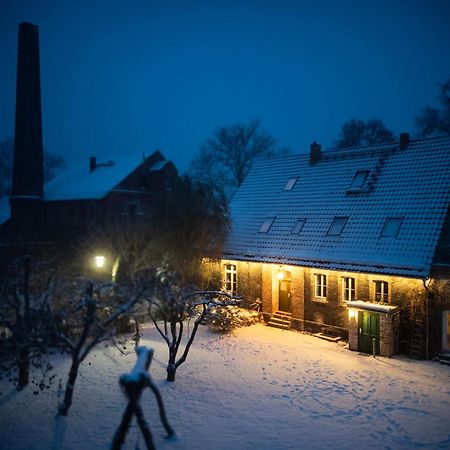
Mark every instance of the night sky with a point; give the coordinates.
(133, 76)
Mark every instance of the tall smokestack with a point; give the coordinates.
(28, 173)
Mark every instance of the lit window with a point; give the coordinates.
(290, 184)
(265, 227)
(359, 180)
(337, 226)
(348, 289)
(298, 226)
(230, 278)
(321, 285)
(391, 227)
(381, 291)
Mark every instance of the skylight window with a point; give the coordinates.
(298, 226)
(337, 226)
(290, 184)
(265, 227)
(391, 227)
(359, 180)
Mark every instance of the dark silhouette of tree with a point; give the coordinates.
(52, 165)
(356, 132)
(225, 158)
(434, 121)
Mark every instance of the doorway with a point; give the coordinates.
(284, 295)
(369, 329)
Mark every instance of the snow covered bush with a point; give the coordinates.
(226, 318)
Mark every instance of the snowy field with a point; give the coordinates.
(260, 388)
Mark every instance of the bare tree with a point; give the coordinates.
(88, 322)
(25, 318)
(225, 158)
(356, 132)
(434, 121)
(53, 163)
(173, 305)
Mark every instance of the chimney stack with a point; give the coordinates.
(404, 141)
(315, 154)
(28, 171)
(92, 163)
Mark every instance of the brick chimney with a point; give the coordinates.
(315, 153)
(92, 163)
(404, 141)
(28, 171)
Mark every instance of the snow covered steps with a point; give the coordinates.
(280, 319)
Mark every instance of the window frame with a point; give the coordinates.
(335, 219)
(320, 287)
(385, 226)
(350, 289)
(290, 184)
(359, 187)
(230, 278)
(383, 293)
(299, 223)
(266, 225)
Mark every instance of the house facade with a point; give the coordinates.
(349, 242)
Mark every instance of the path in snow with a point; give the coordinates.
(259, 388)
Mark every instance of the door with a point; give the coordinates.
(284, 296)
(369, 329)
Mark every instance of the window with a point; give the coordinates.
(359, 180)
(321, 285)
(337, 226)
(381, 291)
(391, 227)
(230, 278)
(265, 227)
(290, 184)
(348, 289)
(298, 226)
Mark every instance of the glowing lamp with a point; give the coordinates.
(352, 313)
(280, 275)
(99, 261)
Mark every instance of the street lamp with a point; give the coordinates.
(99, 261)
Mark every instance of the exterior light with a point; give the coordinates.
(352, 313)
(280, 275)
(427, 281)
(99, 261)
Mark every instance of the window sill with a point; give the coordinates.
(320, 300)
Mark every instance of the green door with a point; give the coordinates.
(284, 296)
(369, 329)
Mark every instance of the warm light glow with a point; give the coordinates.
(99, 261)
(280, 275)
(427, 281)
(352, 313)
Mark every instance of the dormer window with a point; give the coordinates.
(265, 227)
(298, 226)
(337, 226)
(391, 227)
(359, 180)
(290, 184)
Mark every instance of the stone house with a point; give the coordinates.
(350, 243)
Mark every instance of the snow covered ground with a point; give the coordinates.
(260, 388)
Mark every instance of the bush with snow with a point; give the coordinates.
(224, 319)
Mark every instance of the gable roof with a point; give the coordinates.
(412, 184)
(76, 182)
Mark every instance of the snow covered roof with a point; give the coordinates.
(409, 186)
(77, 183)
(375, 307)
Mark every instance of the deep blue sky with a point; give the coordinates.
(130, 76)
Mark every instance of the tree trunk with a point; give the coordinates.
(24, 369)
(70, 386)
(171, 367)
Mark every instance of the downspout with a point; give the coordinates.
(426, 284)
